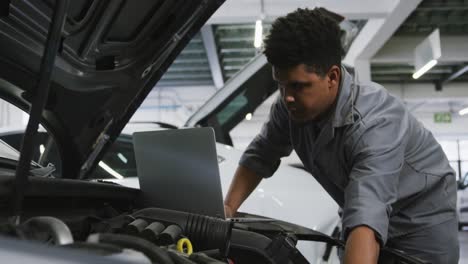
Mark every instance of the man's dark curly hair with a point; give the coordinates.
(304, 36)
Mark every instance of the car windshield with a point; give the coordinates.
(118, 162)
(8, 152)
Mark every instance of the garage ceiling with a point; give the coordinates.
(389, 32)
(451, 17)
(190, 68)
(233, 46)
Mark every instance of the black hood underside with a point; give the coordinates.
(111, 54)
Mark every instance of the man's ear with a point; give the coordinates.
(334, 74)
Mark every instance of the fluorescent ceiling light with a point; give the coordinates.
(464, 111)
(110, 170)
(424, 69)
(248, 116)
(258, 34)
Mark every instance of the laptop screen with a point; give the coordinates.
(178, 170)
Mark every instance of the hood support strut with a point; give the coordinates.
(37, 106)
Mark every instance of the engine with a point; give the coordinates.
(155, 235)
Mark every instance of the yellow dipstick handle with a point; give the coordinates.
(184, 243)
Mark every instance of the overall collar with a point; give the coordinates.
(343, 114)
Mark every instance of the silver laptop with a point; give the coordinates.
(178, 169)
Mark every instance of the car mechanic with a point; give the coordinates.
(385, 170)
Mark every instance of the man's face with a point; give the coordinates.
(307, 94)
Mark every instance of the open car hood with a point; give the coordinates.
(111, 55)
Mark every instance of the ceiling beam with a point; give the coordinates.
(183, 83)
(398, 69)
(420, 91)
(377, 32)
(456, 74)
(212, 54)
(247, 11)
(399, 50)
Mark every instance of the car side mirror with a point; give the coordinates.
(461, 185)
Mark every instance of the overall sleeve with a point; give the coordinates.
(378, 158)
(273, 142)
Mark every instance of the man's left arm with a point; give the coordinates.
(378, 157)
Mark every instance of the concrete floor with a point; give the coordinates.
(463, 238)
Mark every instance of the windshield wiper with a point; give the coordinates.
(37, 106)
(45, 172)
(13, 164)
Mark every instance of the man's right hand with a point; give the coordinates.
(228, 211)
(243, 183)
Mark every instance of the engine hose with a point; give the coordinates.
(99, 249)
(204, 259)
(153, 252)
(205, 232)
(59, 231)
(179, 258)
(111, 251)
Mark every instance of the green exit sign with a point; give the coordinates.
(444, 117)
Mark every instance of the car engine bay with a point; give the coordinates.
(146, 236)
(110, 220)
